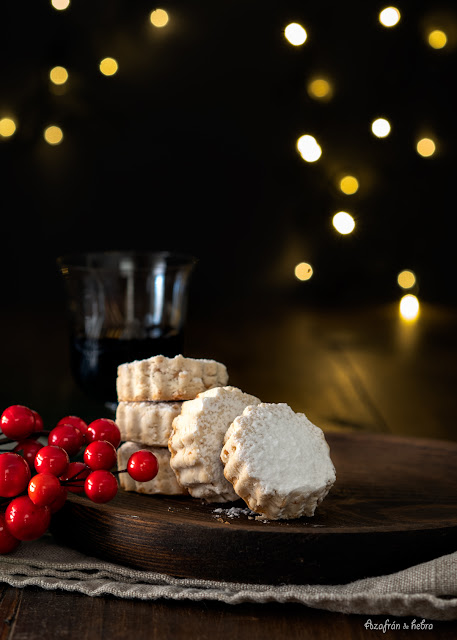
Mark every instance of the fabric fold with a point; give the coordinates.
(427, 590)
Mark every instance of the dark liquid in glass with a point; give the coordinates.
(94, 362)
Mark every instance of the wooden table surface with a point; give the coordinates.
(360, 369)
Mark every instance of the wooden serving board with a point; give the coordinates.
(394, 504)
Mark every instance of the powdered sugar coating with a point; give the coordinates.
(163, 379)
(197, 439)
(165, 481)
(277, 461)
(148, 423)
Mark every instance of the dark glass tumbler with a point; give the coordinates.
(123, 306)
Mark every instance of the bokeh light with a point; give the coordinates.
(389, 17)
(58, 75)
(426, 147)
(309, 148)
(295, 34)
(343, 222)
(437, 39)
(349, 185)
(60, 5)
(380, 127)
(159, 18)
(320, 89)
(406, 279)
(409, 307)
(53, 135)
(7, 127)
(108, 66)
(303, 271)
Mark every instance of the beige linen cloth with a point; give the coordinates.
(427, 590)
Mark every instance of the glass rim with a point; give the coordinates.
(82, 260)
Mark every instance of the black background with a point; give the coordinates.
(191, 146)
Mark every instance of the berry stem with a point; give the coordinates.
(4, 501)
(73, 478)
(32, 436)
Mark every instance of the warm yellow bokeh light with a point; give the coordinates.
(303, 271)
(53, 135)
(295, 34)
(7, 127)
(320, 88)
(159, 18)
(58, 75)
(343, 222)
(389, 16)
(380, 127)
(349, 185)
(426, 147)
(60, 5)
(409, 307)
(108, 66)
(437, 39)
(406, 279)
(309, 148)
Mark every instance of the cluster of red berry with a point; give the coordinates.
(35, 478)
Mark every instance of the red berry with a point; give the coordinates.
(43, 489)
(142, 466)
(100, 455)
(38, 421)
(104, 429)
(100, 486)
(76, 422)
(14, 474)
(8, 542)
(28, 450)
(68, 437)
(75, 476)
(25, 520)
(17, 422)
(59, 501)
(52, 459)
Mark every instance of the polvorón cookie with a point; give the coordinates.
(197, 438)
(277, 461)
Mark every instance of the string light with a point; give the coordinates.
(7, 127)
(108, 66)
(58, 75)
(53, 135)
(389, 17)
(159, 18)
(426, 147)
(349, 185)
(303, 271)
(309, 148)
(406, 279)
(295, 34)
(437, 39)
(409, 307)
(320, 89)
(343, 222)
(380, 127)
(60, 5)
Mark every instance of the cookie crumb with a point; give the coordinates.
(236, 512)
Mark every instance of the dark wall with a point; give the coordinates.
(191, 146)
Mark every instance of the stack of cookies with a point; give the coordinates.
(150, 394)
(215, 442)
